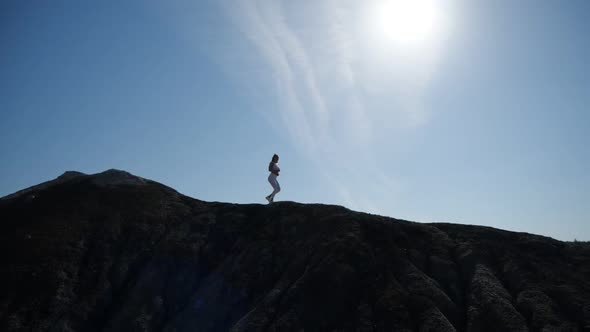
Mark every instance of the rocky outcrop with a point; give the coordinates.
(116, 252)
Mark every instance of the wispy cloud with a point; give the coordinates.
(320, 77)
(302, 110)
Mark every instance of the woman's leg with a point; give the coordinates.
(275, 185)
(276, 188)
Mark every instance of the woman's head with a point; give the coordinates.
(275, 158)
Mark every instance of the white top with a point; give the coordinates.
(276, 168)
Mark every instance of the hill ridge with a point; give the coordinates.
(112, 251)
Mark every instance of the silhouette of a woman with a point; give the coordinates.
(273, 168)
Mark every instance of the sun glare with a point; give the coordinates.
(409, 22)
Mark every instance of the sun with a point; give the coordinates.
(409, 22)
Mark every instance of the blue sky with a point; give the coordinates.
(486, 122)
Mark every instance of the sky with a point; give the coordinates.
(462, 111)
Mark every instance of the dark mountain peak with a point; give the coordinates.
(67, 175)
(111, 177)
(116, 177)
(116, 252)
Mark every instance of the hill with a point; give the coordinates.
(117, 252)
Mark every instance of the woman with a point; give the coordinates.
(274, 170)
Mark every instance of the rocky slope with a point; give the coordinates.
(116, 252)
